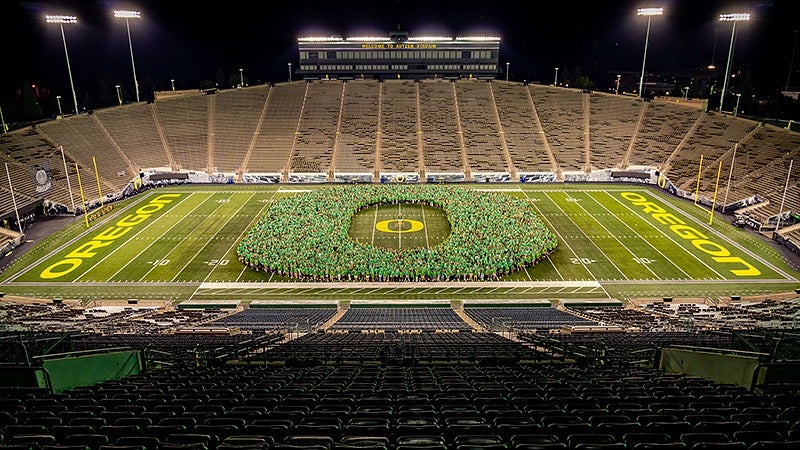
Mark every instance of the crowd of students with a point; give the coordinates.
(306, 236)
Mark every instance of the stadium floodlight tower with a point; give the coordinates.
(649, 13)
(127, 15)
(732, 17)
(61, 20)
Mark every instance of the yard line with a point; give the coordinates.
(219, 205)
(90, 268)
(374, 225)
(209, 240)
(666, 235)
(247, 228)
(399, 228)
(425, 226)
(560, 237)
(614, 236)
(636, 233)
(586, 236)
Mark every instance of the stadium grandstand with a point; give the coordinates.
(166, 340)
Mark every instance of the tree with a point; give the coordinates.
(30, 105)
(220, 78)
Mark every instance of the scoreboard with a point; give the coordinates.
(398, 56)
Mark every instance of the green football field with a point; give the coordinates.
(617, 241)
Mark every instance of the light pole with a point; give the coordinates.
(618, 79)
(241, 77)
(649, 13)
(686, 93)
(58, 100)
(290, 72)
(507, 64)
(119, 93)
(127, 15)
(172, 81)
(3, 121)
(735, 17)
(736, 109)
(555, 82)
(61, 20)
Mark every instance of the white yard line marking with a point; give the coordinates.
(119, 247)
(425, 226)
(586, 236)
(652, 225)
(209, 240)
(172, 249)
(613, 235)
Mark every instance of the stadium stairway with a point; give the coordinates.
(339, 313)
(469, 320)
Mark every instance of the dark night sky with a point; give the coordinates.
(190, 41)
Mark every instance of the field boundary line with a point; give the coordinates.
(706, 226)
(398, 284)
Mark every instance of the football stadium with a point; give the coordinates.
(399, 249)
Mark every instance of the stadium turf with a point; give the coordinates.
(614, 240)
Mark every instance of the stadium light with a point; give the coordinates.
(241, 77)
(479, 38)
(58, 100)
(61, 20)
(319, 39)
(507, 64)
(555, 83)
(732, 17)
(172, 81)
(119, 93)
(367, 39)
(290, 72)
(127, 15)
(649, 13)
(430, 38)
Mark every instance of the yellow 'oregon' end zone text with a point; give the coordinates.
(105, 238)
(699, 240)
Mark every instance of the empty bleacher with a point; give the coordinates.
(482, 139)
(134, 130)
(439, 123)
(522, 318)
(712, 138)
(561, 112)
(394, 319)
(84, 139)
(270, 152)
(277, 319)
(519, 125)
(233, 125)
(399, 126)
(319, 122)
(356, 143)
(663, 127)
(612, 124)
(184, 122)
